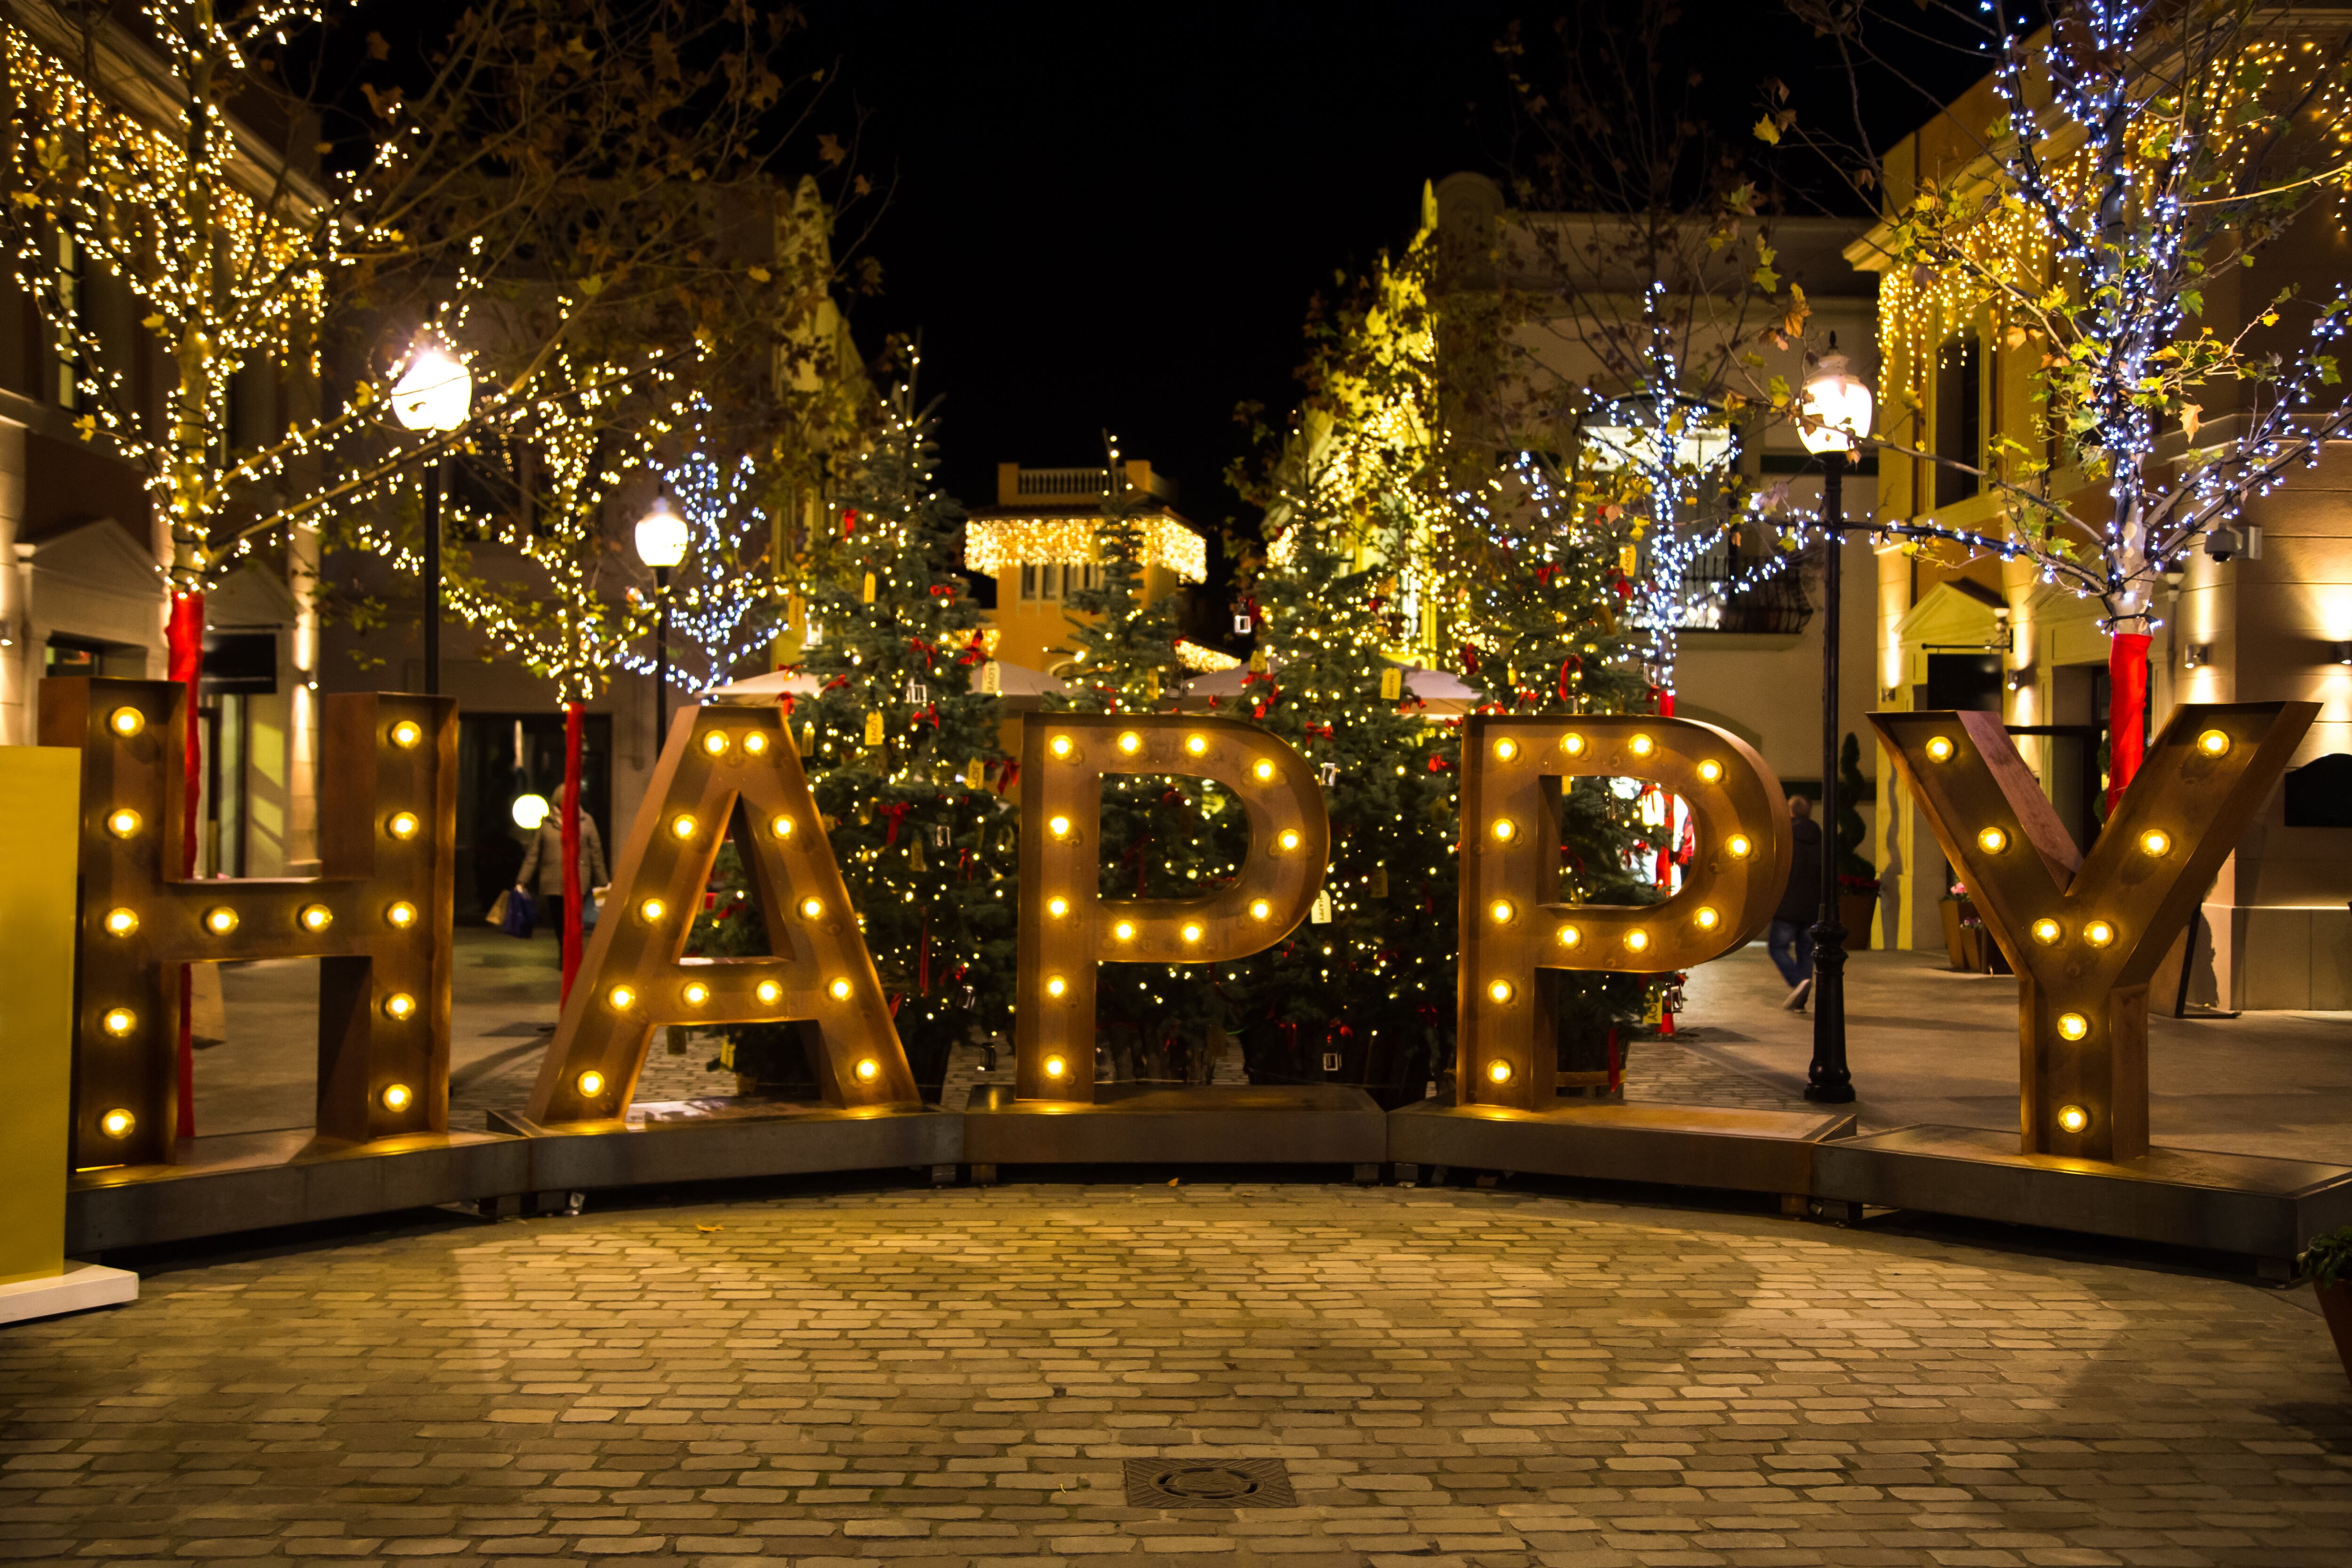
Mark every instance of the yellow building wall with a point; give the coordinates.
(40, 793)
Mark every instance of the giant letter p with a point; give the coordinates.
(1066, 928)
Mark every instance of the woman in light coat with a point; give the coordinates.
(546, 858)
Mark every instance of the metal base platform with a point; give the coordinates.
(255, 1180)
(1674, 1145)
(251, 1181)
(2185, 1197)
(719, 1140)
(1205, 1124)
(81, 1286)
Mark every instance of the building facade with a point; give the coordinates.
(2272, 622)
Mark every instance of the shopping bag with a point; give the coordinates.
(497, 915)
(590, 908)
(520, 913)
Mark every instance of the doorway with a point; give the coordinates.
(502, 757)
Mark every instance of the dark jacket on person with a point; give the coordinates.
(1800, 901)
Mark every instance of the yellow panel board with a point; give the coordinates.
(40, 788)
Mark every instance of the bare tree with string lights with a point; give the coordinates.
(1639, 294)
(2116, 211)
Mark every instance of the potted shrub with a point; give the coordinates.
(2327, 1264)
(1958, 913)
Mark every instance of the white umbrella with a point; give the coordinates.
(1013, 680)
(1443, 696)
(765, 688)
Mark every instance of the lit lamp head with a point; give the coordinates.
(435, 392)
(529, 811)
(1837, 406)
(661, 535)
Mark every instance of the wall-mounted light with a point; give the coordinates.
(2341, 652)
(2197, 656)
(2019, 680)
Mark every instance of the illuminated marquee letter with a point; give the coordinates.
(1066, 928)
(378, 917)
(723, 766)
(2084, 933)
(1516, 934)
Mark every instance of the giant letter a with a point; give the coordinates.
(723, 765)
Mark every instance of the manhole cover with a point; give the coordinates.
(1225, 1483)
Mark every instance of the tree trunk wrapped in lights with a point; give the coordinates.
(2142, 155)
(170, 152)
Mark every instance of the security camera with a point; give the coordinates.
(2222, 543)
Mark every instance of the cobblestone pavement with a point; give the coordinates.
(1451, 1377)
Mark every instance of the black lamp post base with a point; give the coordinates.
(1828, 1081)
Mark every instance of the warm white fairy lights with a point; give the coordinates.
(2087, 238)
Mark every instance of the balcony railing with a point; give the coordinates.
(1775, 606)
(1055, 483)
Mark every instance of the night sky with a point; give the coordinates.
(1113, 216)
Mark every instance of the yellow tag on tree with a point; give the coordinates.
(1629, 561)
(874, 727)
(1391, 684)
(866, 594)
(975, 776)
(808, 738)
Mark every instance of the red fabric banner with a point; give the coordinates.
(2126, 712)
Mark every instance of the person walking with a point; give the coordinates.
(545, 856)
(1789, 939)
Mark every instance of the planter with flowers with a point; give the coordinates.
(2327, 1264)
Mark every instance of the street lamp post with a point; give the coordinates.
(1837, 418)
(434, 393)
(661, 544)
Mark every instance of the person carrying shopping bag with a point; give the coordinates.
(545, 857)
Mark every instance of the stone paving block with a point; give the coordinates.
(1492, 1379)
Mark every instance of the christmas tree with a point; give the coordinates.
(1367, 980)
(1162, 838)
(1541, 608)
(900, 749)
